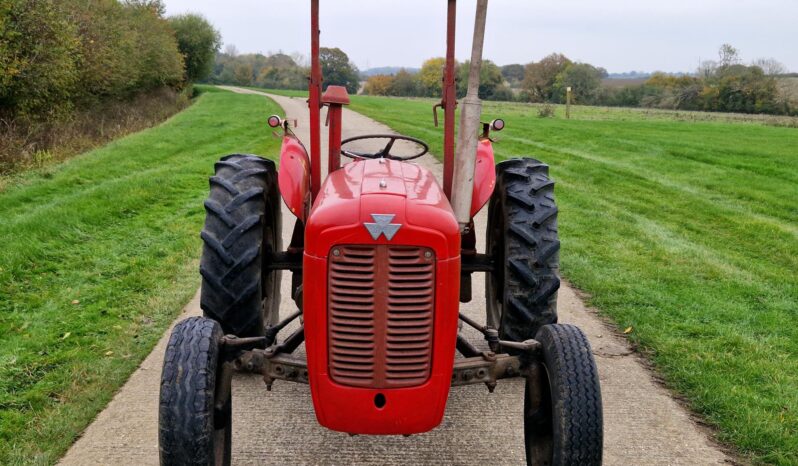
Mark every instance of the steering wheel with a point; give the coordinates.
(386, 151)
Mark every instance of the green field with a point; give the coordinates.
(98, 256)
(685, 231)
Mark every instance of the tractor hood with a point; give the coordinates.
(381, 276)
(377, 192)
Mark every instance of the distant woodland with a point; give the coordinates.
(723, 85)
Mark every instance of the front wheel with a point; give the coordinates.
(563, 423)
(192, 430)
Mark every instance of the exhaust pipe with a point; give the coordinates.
(470, 114)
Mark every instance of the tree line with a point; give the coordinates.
(725, 85)
(543, 81)
(60, 55)
(282, 71)
(428, 81)
(75, 73)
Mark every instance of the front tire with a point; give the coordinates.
(242, 231)
(191, 431)
(563, 423)
(523, 242)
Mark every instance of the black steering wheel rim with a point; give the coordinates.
(386, 151)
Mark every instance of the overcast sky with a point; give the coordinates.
(620, 35)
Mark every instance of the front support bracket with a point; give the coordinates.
(487, 368)
(279, 367)
(261, 355)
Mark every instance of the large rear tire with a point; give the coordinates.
(242, 231)
(523, 242)
(563, 423)
(191, 431)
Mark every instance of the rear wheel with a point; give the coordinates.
(242, 232)
(191, 431)
(522, 240)
(562, 402)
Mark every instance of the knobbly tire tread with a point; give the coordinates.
(576, 409)
(523, 201)
(242, 228)
(187, 419)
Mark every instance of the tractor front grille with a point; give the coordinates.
(381, 302)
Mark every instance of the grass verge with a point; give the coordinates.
(98, 257)
(39, 144)
(684, 231)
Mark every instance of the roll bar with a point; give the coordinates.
(461, 192)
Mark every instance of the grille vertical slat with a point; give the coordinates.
(351, 285)
(381, 303)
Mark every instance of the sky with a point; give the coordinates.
(619, 35)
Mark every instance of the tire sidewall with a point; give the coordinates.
(272, 243)
(553, 374)
(495, 289)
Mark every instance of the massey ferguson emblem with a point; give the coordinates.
(382, 226)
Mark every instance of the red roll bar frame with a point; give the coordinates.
(448, 99)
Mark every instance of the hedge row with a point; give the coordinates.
(58, 55)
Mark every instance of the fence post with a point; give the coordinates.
(568, 103)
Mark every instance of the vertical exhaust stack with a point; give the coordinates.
(470, 114)
(449, 100)
(314, 100)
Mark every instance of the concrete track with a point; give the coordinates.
(644, 425)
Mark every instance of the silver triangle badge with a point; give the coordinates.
(382, 226)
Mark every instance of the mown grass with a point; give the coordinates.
(98, 255)
(587, 112)
(285, 92)
(687, 232)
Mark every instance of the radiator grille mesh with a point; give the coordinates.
(381, 300)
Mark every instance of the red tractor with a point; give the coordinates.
(381, 256)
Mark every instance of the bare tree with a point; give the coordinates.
(300, 59)
(728, 56)
(770, 66)
(707, 69)
(231, 50)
